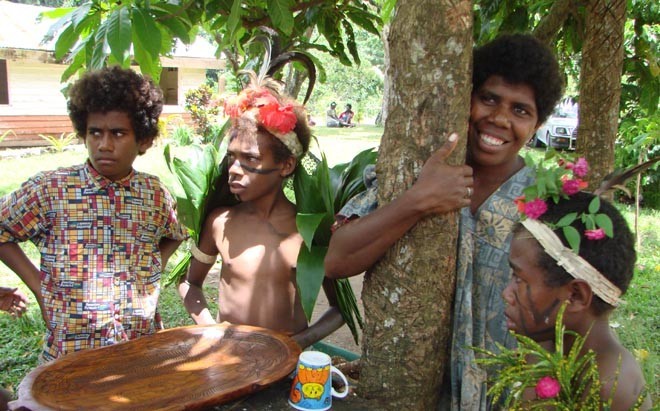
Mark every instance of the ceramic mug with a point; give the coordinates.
(312, 386)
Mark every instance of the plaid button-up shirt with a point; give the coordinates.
(99, 245)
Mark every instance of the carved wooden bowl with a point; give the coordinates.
(181, 368)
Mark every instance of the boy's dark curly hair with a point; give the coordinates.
(613, 257)
(521, 59)
(117, 89)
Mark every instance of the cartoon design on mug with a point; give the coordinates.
(312, 389)
(313, 380)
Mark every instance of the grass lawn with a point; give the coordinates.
(637, 322)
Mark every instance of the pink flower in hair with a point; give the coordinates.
(547, 387)
(571, 187)
(535, 208)
(581, 167)
(597, 234)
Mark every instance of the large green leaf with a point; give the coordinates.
(234, 20)
(147, 38)
(100, 49)
(187, 212)
(119, 33)
(309, 276)
(75, 64)
(307, 225)
(281, 14)
(65, 41)
(363, 19)
(193, 180)
(80, 14)
(149, 65)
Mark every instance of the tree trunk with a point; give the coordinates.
(294, 81)
(551, 23)
(408, 296)
(382, 118)
(600, 85)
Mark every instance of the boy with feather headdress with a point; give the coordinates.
(257, 239)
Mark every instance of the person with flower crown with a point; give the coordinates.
(515, 86)
(257, 239)
(573, 248)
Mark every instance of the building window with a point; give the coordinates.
(169, 83)
(4, 83)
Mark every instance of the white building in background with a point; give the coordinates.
(31, 101)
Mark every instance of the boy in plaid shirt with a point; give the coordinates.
(104, 230)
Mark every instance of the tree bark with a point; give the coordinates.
(386, 81)
(600, 85)
(551, 23)
(408, 296)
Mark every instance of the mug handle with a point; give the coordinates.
(343, 378)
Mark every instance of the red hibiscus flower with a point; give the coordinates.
(279, 118)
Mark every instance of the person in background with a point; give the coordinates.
(331, 119)
(346, 117)
(104, 230)
(516, 84)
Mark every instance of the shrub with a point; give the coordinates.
(202, 108)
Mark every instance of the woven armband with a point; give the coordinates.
(201, 256)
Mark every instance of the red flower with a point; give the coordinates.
(520, 203)
(279, 118)
(571, 187)
(547, 387)
(581, 167)
(535, 208)
(597, 234)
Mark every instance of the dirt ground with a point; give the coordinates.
(341, 338)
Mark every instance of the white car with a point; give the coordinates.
(559, 131)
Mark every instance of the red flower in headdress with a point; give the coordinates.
(279, 118)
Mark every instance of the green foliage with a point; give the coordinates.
(182, 136)
(59, 143)
(362, 86)
(104, 33)
(519, 369)
(198, 176)
(20, 342)
(320, 193)
(202, 108)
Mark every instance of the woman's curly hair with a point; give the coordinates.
(117, 89)
(521, 59)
